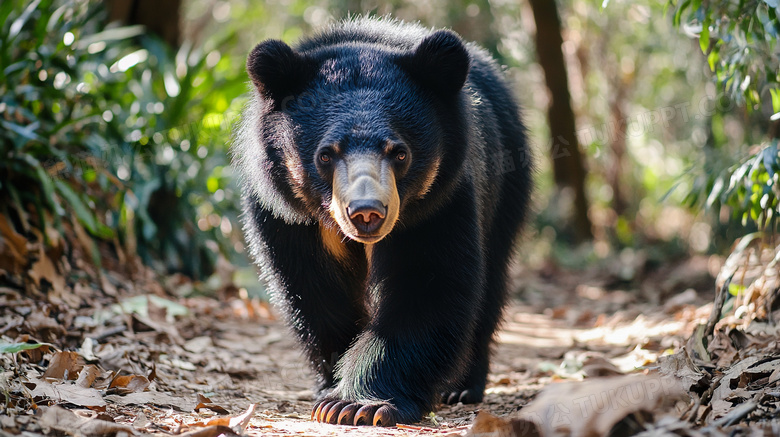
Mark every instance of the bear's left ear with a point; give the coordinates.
(440, 62)
(277, 71)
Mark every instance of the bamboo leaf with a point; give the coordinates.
(704, 36)
(19, 23)
(775, 93)
(678, 15)
(12, 348)
(83, 213)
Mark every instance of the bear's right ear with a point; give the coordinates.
(277, 71)
(440, 62)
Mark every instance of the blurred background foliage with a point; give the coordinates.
(116, 138)
(110, 132)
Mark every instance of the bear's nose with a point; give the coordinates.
(367, 215)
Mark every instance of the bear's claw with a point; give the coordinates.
(347, 415)
(466, 396)
(365, 415)
(385, 416)
(350, 413)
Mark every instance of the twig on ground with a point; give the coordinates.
(720, 299)
(736, 414)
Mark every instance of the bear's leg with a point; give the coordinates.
(320, 294)
(470, 387)
(424, 285)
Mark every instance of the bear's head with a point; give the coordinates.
(362, 135)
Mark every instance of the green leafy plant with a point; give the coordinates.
(12, 348)
(739, 39)
(108, 132)
(747, 189)
(750, 188)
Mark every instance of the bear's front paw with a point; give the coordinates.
(336, 411)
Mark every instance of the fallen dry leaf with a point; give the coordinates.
(687, 374)
(64, 365)
(671, 426)
(39, 324)
(596, 366)
(66, 421)
(154, 398)
(731, 378)
(206, 403)
(126, 384)
(240, 422)
(87, 376)
(141, 421)
(237, 423)
(736, 413)
(198, 345)
(144, 323)
(594, 407)
(741, 386)
(488, 424)
(722, 349)
(67, 392)
(211, 431)
(44, 269)
(13, 247)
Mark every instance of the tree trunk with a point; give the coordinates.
(617, 142)
(160, 17)
(567, 159)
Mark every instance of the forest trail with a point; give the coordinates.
(194, 366)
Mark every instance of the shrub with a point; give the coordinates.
(111, 137)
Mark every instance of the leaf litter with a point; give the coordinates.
(90, 351)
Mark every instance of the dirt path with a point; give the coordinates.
(236, 363)
(158, 365)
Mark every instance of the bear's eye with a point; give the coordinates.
(325, 157)
(401, 155)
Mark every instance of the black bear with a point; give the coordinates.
(386, 176)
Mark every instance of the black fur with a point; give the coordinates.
(416, 318)
(440, 63)
(277, 71)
